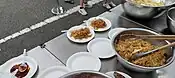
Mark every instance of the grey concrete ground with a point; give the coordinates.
(19, 14)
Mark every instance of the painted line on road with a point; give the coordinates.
(46, 21)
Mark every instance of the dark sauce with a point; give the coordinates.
(20, 74)
(86, 75)
(119, 75)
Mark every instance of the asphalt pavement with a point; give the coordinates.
(16, 15)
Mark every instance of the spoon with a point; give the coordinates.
(137, 55)
(23, 66)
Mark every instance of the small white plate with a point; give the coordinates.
(108, 23)
(54, 72)
(80, 40)
(114, 31)
(101, 47)
(111, 73)
(17, 60)
(83, 61)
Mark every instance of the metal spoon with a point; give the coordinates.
(23, 66)
(137, 55)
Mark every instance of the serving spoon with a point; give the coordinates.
(141, 54)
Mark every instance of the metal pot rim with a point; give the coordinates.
(129, 1)
(142, 67)
(169, 17)
(85, 71)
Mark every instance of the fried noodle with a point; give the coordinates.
(149, 2)
(98, 23)
(81, 33)
(128, 47)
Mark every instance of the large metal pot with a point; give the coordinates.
(145, 12)
(171, 19)
(82, 74)
(140, 31)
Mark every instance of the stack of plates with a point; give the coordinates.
(115, 31)
(54, 72)
(83, 61)
(101, 47)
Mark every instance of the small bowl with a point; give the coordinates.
(139, 31)
(171, 19)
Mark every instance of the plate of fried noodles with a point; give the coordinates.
(99, 23)
(80, 34)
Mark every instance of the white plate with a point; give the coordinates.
(111, 74)
(83, 61)
(108, 23)
(17, 60)
(80, 40)
(114, 31)
(101, 47)
(6, 75)
(54, 72)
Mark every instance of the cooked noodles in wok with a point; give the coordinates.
(128, 47)
(154, 3)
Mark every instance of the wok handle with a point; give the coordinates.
(162, 10)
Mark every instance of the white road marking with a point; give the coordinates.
(45, 22)
(38, 25)
(8, 38)
(2, 40)
(26, 30)
(15, 34)
(51, 19)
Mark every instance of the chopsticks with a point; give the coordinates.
(141, 54)
(157, 37)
